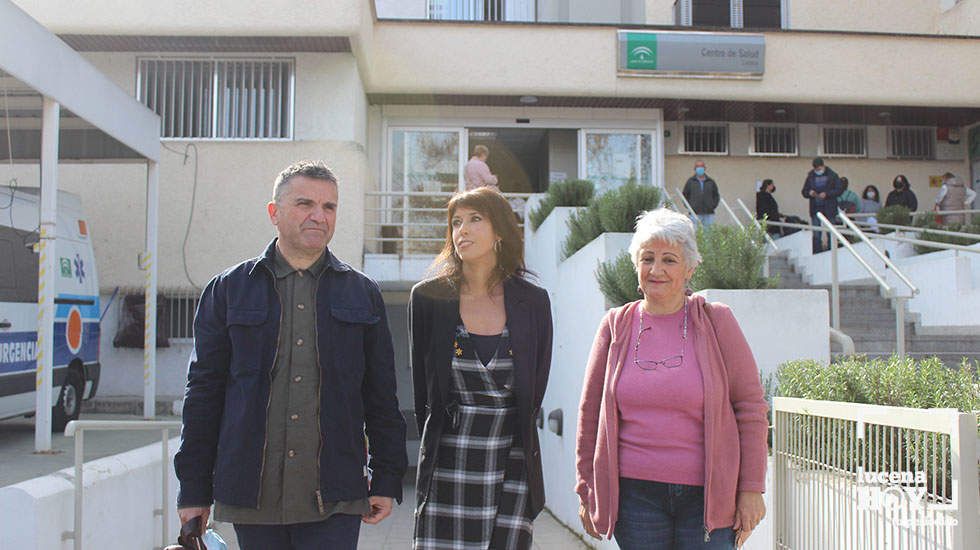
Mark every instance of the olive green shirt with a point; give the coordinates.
(289, 490)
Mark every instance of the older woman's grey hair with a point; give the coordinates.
(666, 225)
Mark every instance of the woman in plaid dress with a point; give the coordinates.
(481, 351)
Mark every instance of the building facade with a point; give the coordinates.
(395, 95)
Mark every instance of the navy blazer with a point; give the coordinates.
(236, 336)
(433, 312)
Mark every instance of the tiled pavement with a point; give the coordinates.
(395, 532)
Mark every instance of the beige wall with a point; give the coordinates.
(412, 58)
(963, 18)
(329, 98)
(736, 177)
(893, 16)
(192, 17)
(230, 222)
(660, 12)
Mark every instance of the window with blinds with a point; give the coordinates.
(705, 138)
(774, 140)
(844, 141)
(219, 98)
(910, 142)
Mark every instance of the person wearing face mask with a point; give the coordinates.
(822, 187)
(870, 205)
(902, 194)
(701, 193)
(954, 195)
(766, 206)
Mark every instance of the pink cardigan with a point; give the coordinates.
(735, 423)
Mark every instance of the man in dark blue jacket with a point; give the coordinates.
(291, 383)
(822, 187)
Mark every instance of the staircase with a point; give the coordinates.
(869, 319)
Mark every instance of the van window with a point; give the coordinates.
(18, 271)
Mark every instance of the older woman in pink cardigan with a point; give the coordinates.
(671, 443)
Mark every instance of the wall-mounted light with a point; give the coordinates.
(884, 114)
(528, 99)
(780, 111)
(555, 421)
(683, 110)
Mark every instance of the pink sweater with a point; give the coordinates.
(735, 424)
(661, 411)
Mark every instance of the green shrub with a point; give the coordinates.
(731, 257)
(896, 382)
(927, 220)
(583, 228)
(619, 208)
(614, 211)
(894, 215)
(563, 193)
(617, 280)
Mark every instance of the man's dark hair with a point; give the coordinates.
(817, 162)
(314, 169)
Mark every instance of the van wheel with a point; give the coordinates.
(69, 404)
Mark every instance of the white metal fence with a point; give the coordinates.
(858, 476)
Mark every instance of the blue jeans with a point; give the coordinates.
(706, 219)
(338, 532)
(665, 516)
(818, 245)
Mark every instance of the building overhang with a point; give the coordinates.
(681, 109)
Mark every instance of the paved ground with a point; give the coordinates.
(19, 463)
(395, 532)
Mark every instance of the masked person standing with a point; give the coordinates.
(822, 187)
(701, 193)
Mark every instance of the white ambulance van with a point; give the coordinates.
(76, 325)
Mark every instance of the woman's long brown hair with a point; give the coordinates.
(510, 257)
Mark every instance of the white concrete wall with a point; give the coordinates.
(780, 324)
(121, 492)
(215, 18)
(401, 9)
(949, 290)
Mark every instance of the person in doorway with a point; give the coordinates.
(480, 354)
(279, 398)
(848, 201)
(902, 195)
(767, 208)
(476, 173)
(822, 187)
(671, 443)
(954, 195)
(870, 205)
(701, 193)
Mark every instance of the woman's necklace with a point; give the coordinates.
(671, 362)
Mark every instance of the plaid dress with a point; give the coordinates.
(478, 499)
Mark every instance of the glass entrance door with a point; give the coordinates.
(611, 158)
(425, 167)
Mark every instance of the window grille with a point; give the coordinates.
(756, 14)
(219, 98)
(703, 138)
(181, 308)
(844, 141)
(910, 142)
(774, 140)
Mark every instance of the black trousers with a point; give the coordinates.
(338, 532)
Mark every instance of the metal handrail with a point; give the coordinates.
(77, 429)
(887, 237)
(891, 265)
(757, 224)
(731, 213)
(913, 229)
(688, 206)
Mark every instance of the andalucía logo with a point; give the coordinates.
(641, 50)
